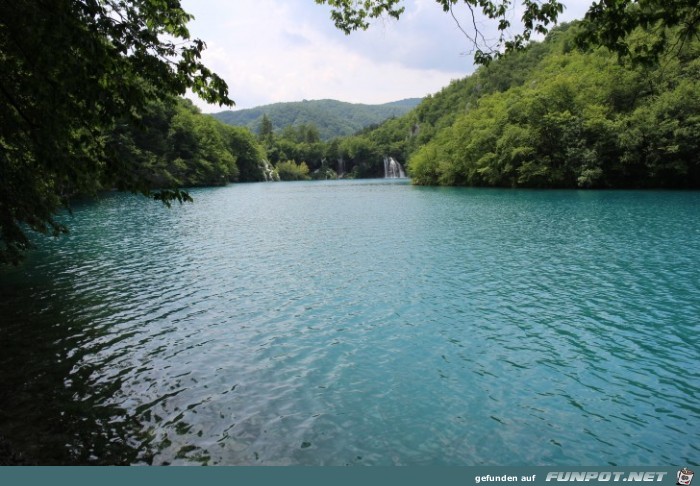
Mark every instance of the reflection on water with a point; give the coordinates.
(361, 323)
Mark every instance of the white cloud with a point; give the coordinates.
(288, 50)
(272, 50)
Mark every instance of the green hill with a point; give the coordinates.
(552, 116)
(333, 118)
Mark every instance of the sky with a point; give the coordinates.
(271, 51)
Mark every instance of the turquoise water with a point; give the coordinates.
(360, 323)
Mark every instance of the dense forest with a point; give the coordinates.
(174, 145)
(333, 118)
(574, 119)
(551, 115)
(80, 79)
(555, 116)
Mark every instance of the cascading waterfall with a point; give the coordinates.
(269, 172)
(393, 169)
(341, 167)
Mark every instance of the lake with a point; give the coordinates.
(359, 323)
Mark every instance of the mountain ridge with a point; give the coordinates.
(333, 118)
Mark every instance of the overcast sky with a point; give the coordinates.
(289, 50)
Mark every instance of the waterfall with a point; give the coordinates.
(268, 172)
(341, 167)
(393, 169)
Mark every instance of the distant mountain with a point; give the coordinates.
(332, 118)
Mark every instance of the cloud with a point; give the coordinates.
(273, 50)
(288, 50)
(296, 40)
(424, 38)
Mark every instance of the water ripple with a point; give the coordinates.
(361, 323)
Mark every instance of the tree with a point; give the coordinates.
(70, 72)
(310, 133)
(578, 119)
(265, 132)
(250, 155)
(349, 15)
(608, 22)
(291, 171)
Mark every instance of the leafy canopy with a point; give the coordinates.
(608, 22)
(349, 15)
(70, 72)
(576, 120)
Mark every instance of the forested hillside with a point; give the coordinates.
(333, 118)
(176, 146)
(554, 116)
